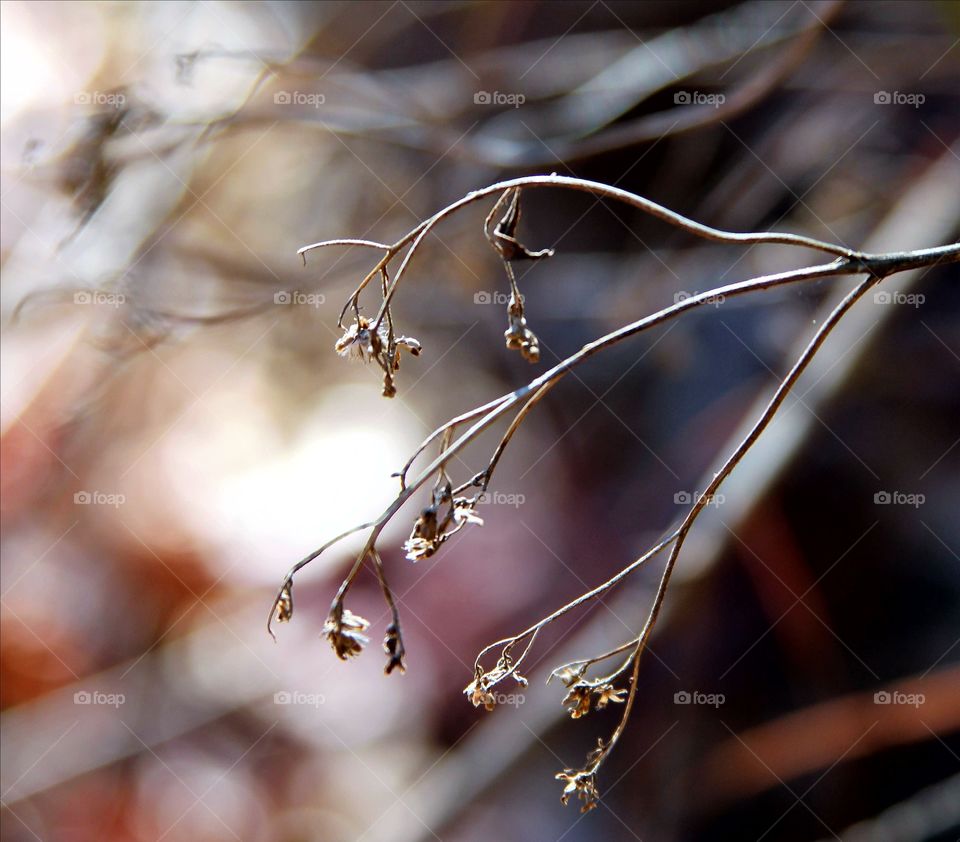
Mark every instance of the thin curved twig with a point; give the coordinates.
(448, 513)
(505, 402)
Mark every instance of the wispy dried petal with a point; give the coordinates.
(464, 512)
(360, 341)
(607, 693)
(568, 675)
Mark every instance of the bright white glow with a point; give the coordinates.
(25, 71)
(33, 71)
(264, 501)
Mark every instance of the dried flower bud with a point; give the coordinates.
(424, 540)
(480, 695)
(360, 341)
(531, 348)
(344, 630)
(568, 675)
(578, 700)
(393, 646)
(581, 782)
(284, 610)
(517, 335)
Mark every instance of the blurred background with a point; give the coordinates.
(177, 430)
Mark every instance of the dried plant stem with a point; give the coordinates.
(639, 643)
(880, 264)
(482, 480)
(761, 424)
(448, 512)
(502, 404)
(416, 236)
(451, 424)
(580, 600)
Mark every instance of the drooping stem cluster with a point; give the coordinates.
(451, 507)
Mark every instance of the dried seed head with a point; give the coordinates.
(284, 609)
(381, 346)
(344, 630)
(478, 694)
(419, 548)
(464, 512)
(517, 335)
(581, 782)
(578, 700)
(360, 341)
(393, 646)
(425, 538)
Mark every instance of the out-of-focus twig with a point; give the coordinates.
(814, 737)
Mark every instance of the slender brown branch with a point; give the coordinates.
(416, 236)
(447, 513)
(501, 405)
